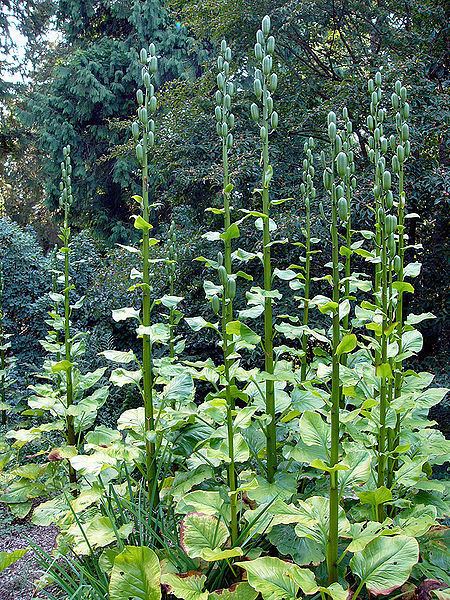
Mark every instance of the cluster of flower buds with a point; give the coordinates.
(224, 95)
(375, 119)
(228, 283)
(65, 186)
(265, 82)
(400, 145)
(345, 165)
(144, 127)
(307, 189)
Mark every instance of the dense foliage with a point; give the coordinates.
(230, 402)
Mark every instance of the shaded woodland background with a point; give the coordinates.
(80, 71)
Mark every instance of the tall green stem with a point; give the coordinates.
(147, 105)
(225, 122)
(265, 83)
(2, 354)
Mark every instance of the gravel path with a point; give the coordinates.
(17, 580)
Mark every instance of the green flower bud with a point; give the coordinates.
(349, 127)
(400, 153)
(257, 88)
(405, 132)
(220, 81)
(152, 104)
(228, 55)
(384, 145)
(341, 164)
(220, 62)
(267, 65)
(327, 180)
(331, 117)
(345, 113)
(226, 68)
(270, 44)
(263, 132)
(152, 49)
(215, 304)
(407, 149)
(387, 180)
(153, 66)
(269, 103)
(391, 245)
(140, 153)
(254, 111)
(332, 131)
(151, 125)
(338, 143)
(135, 130)
(143, 116)
(398, 87)
(371, 154)
(374, 98)
(343, 209)
(258, 51)
(223, 45)
(146, 79)
(403, 93)
(143, 56)
(231, 288)
(274, 120)
(378, 78)
(370, 85)
(231, 120)
(377, 134)
(397, 264)
(395, 164)
(381, 215)
(339, 192)
(302, 189)
(150, 139)
(140, 97)
(222, 272)
(395, 100)
(405, 110)
(260, 37)
(273, 82)
(390, 224)
(218, 114)
(370, 123)
(389, 199)
(392, 142)
(265, 26)
(224, 130)
(229, 141)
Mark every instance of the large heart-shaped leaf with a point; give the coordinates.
(385, 563)
(276, 579)
(199, 532)
(135, 575)
(186, 587)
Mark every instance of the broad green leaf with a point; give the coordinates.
(201, 501)
(302, 550)
(135, 575)
(179, 388)
(347, 344)
(277, 579)
(317, 508)
(122, 314)
(9, 558)
(239, 591)
(217, 554)
(140, 223)
(376, 497)
(385, 563)
(199, 532)
(119, 357)
(243, 331)
(314, 431)
(403, 286)
(186, 587)
(121, 377)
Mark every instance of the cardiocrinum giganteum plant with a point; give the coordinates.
(6, 360)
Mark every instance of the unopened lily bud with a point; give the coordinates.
(220, 62)
(220, 81)
(339, 192)
(378, 78)
(370, 123)
(146, 79)
(400, 153)
(263, 132)
(152, 49)
(343, 209)
(405, 132)
(384, 145)
(392, 247)
(257, 88)
(150, 139)
(395, 100)
(395, 164)
(302, 189)
(389, 199)
(270, 44)
(152, 104)
(140, 153)
(143, 116)
(349, 127)
(226, 68)
(222, 272)
(345, 113)
(265, 26)
(267, 65)
(398, 87)
(387, 180)
(215, 304)
(254, 111)
(407, 149)
(332, 131)
(403, 93)
(223, 45)
(229, 141)
(258, 51)
(341, 164)
(231, 288)
(140, 97)
(273, 82)
(327, 180)
(224, 130)
(218, 114)
(143, 56)
(153, 66)
(260, 37)
(331, 117)
(274, 120)
(227, 101)
(392, 142)
(397, 264)
(371, 154)
(231, 121)
(269, 102)
(381, 215)
(405, 110)
(370, 85)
